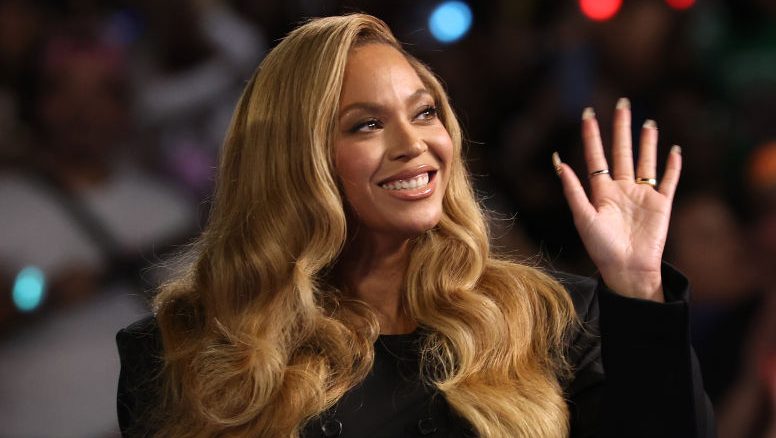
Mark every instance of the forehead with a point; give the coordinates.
(376, 72)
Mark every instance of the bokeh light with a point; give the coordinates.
(600, 10)
(29, 289)
(680, 4)
(450, 21)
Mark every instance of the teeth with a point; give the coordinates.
(404, 184)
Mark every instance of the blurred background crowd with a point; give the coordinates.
(112, 113)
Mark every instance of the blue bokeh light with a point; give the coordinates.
(450, 21)
(29, 289)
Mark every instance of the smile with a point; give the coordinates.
(416, 182)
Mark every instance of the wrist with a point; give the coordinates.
(645, 286)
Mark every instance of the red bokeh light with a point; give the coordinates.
(600, 10)
(680, 4)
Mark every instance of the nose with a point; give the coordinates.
(405, 142)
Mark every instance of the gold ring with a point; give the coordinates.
(599, 172)
(652, 182)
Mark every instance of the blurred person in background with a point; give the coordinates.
(708, 242)
(730, 261)
(79, 221)
(22, 27)
(81, 209)
(749, 407)
(187, 72)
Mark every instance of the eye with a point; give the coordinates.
(428, 112)
(366, 126)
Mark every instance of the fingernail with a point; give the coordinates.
(557, 163)
(676, 149)
(623, 103)
(649, 123)
(588, 113)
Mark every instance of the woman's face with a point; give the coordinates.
(392, 152)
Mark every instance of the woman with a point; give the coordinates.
(344, 286)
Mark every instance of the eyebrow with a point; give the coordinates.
(372, 107)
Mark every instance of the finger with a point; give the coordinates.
(673, 170)
(575, 194)
(622, 150)
(647, 167)
(594, 150)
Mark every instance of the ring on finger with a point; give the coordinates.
(599, 172)
(652, 182)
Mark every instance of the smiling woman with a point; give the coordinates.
(344, 285)
(392, 152)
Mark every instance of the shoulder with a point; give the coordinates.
(583, 343)
(143, 327)
(140, 350)
(140, 335)
(582, 291)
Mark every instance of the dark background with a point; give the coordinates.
(112, 113)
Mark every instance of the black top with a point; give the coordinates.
(635, 375)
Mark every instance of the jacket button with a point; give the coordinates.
(426, 426)
(331, 428)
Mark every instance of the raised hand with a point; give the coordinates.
(624, 222)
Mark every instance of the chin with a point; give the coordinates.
(406, 224)
(421, 225)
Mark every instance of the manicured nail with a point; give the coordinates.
(588, 113)
(676, 149)
(557, 163)
(623, 103)
(649, 123)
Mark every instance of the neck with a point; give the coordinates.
(373, 269)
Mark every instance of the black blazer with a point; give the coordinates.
(635, 374)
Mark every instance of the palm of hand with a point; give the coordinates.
(623, 224)
(628, 229)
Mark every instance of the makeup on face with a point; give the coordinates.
(392, 150)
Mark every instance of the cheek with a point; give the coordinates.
(443, 149)
(355, 165)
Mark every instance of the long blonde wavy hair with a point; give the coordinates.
(257, 338)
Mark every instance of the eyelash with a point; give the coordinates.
(430, 112)
(367, 123)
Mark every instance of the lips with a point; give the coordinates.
(411, 183)
(408, 175)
